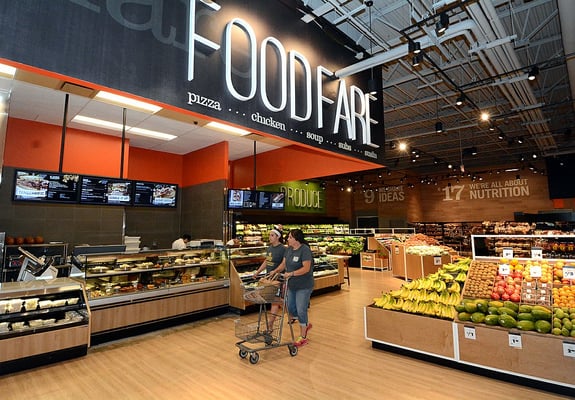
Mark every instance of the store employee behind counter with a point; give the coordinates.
(181, 243)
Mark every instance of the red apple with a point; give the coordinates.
(500, 290)
(515, 297)
(504, 296)
(495, 296)
(509, 290)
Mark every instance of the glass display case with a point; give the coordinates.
(42, 317)
(112, 277)
(130, 293)
(552, 247)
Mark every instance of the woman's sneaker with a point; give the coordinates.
(307, 329)
(301, 341)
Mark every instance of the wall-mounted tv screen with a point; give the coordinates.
(271, 200)
(255, 199)
(98, 190)
(45, 186)
(155, 194)
(242, 199)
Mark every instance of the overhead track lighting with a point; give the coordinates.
(417, 59)
(533, 72)
(442, 24)
(460, 100)
(439, 127)
(414, 47)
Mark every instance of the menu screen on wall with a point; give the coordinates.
(155, 194)
(95, 190)
(45, 187)
(271, 200)
(255, 199)
(242, 199)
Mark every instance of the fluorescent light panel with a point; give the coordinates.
(80, 119)
(227, 128)
(7, 70)
(127, 102)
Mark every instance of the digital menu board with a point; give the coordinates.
(271, 200)
(97, 190)
(45, 187)
(241, 199)
(155, 194)
(255, 199)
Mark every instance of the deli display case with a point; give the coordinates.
(42, 322)
(128, 292)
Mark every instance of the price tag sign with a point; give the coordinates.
(508, 252)
(569, 273)
(536, 253)
(469, 332)
(397, 251)
(504, 269)
(515, 340)
(569, 349)
(535, 271)
(437, 260)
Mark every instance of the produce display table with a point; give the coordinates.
(541, 357)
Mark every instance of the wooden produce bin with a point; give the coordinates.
(397, 260)
(420, 266)
(410, 331)
(541, 356)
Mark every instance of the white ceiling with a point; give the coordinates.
(43, 104)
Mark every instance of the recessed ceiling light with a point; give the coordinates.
(227, 128)
(126, 102)
(80, 119)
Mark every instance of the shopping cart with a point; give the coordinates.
(261, 334)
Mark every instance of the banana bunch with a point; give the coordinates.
(455, 287)
(461, 277)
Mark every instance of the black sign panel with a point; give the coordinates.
(253, 63)
(153, 194)
(96, 190)
(45, 187)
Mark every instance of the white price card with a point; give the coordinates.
(437, 260)
(535, 271)
(469, 332)
(536, 253)
(569, 273)
(515, 340)
(569, 349)
(504, 269)
(508, 252)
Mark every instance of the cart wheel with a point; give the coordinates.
(243, 353)
(292, 350)
(268, 339)
(254, 358)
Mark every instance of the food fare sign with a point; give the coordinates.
(280, 83)
(252, 63)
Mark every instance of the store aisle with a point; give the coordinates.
(200, 361)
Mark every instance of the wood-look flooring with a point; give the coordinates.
(200, 361)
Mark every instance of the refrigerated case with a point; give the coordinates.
(132, 292)
(42, 322)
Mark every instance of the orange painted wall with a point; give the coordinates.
(36, 145)
(206, 165)
(155, 166)
(290, 164)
